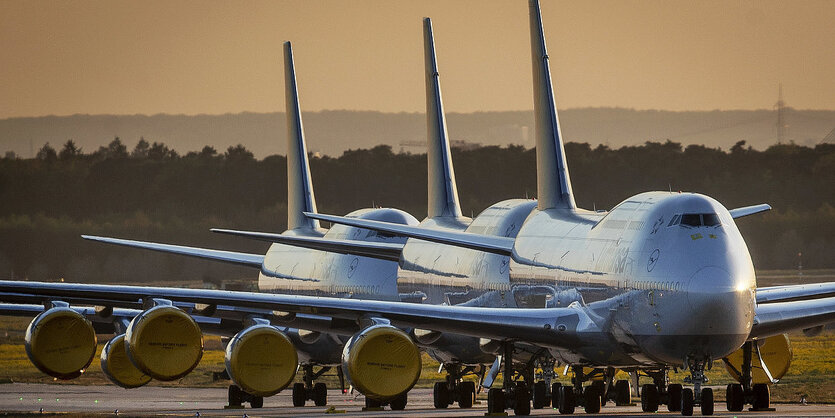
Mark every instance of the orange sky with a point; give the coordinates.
(125, 57)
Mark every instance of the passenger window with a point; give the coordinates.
(691, 219)
(711, 219)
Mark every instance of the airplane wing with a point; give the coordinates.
(749, 210)
(380, 250)
(486, 243)
(561, 327)
(251, 260)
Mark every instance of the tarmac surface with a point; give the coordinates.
(24, 399)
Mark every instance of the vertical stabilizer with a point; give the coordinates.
(299, 186)
(552, 182)
(443, 194)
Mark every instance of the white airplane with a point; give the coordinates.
(663, 280)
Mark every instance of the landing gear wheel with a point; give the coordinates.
(399, 403)
(235, 396)
(649, 398)
(495, 401)
(466, 394)
(299, 394)
(762, 396)
(591, 398)
(320, 394)
(707, 401)
(601, 389)
(540, 394)
(522, 399)
(440, 395)
(256, 401)
(687, 402)
(734, 397)
(567, 402)
(623, 395)
(674, 397)
(555, 395)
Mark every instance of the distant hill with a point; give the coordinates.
(333, 132)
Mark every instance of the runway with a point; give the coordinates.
(21, 398)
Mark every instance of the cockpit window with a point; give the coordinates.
(691, 219)
(694, 220)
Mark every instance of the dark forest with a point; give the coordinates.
(150, 192)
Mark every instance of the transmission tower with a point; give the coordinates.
(781, 116)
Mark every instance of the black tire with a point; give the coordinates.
(623, 393)
(521, 399)
(567, 403)
(495, 401)
(320, 394)
(734, 397)
(235, 397)
(762, 396)
(555, 395)
(539, 395)
(440, 395)
(256, 401)
(601, 389)
(591, 399)
(299, 395)
(687, 402)
(466, 394)
(707, 401)
(674, 397)
(399, 403)
(649, 398)
(372, 403)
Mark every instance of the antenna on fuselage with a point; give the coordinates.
(552, 180)
(300, 197)
(443, 193)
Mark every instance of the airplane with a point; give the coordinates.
(662, 280)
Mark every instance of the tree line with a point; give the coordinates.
(150, 192)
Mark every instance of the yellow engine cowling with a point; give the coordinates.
(776, 352)
(261, 360)
(382, 362)
(164, 342)
(117, 366)
(61, 342)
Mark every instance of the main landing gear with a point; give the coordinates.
(757, 395)
(236, 397)
(318, 393)
(454, 389)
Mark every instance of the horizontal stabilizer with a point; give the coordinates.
(251, 260)
(490, 244)
(749, 210)
(380, 250)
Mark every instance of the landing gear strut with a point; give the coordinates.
(454, 389)
(318, 393)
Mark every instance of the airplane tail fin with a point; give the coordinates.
(443, 193)
(553, 182)
(300, 197)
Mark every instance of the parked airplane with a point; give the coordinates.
(663, 280)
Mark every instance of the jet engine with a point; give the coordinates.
(61, 342)
(381, 361)
(261, 360)
(164, 342)
(776, 353)
(117, 366)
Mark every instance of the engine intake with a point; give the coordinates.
(164, 342)
(261, 360)
(382, 362)
(61, 343)
(117, 366)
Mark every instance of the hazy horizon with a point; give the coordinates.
(212, 58)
